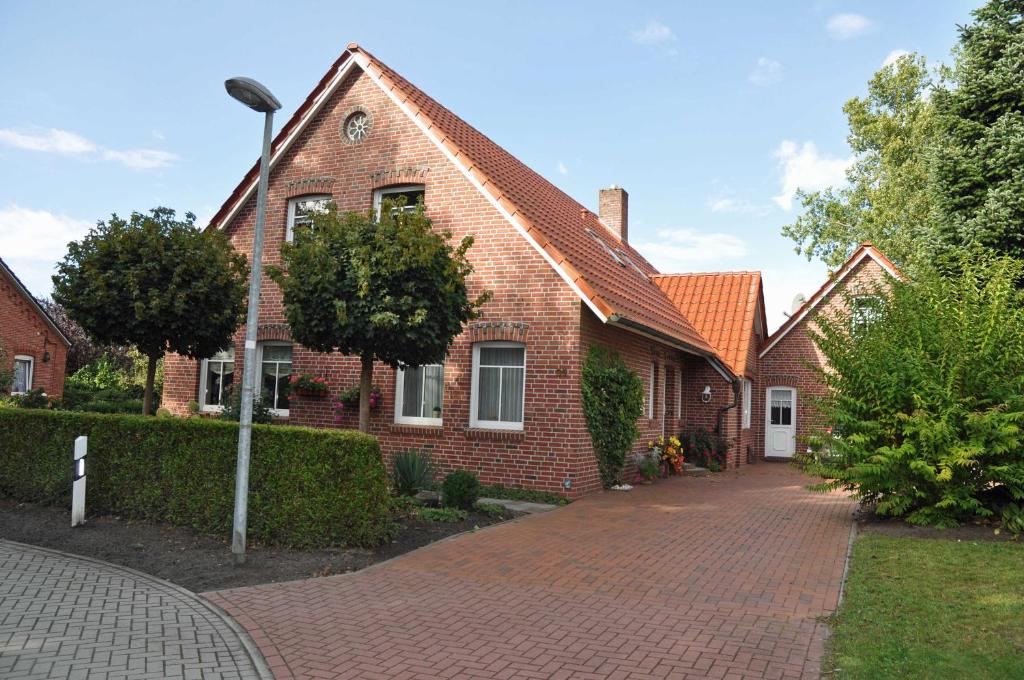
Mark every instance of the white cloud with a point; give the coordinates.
(736, 206)
(654, 33)
(48, 141)
(677, 250)
(766, 72)
(562, 169)
(802, 166)
(70, 144)
(33, 241)
(893, 56)
(140, 159)
(846, 26)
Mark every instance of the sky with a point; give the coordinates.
(710, 114)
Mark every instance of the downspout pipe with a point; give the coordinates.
(728, 407)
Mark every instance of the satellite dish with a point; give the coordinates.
(798, 302)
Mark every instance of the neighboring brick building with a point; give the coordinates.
(506, 402)
(33, 344)
(787, 383)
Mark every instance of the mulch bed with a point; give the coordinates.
(888, 526)
(201, 563)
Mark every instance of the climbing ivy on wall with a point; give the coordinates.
(612, 402)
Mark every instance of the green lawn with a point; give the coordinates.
(930, 608)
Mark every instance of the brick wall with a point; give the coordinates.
(554, 445)
(24, 331)
(792, 361)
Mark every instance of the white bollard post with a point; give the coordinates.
(78, 485)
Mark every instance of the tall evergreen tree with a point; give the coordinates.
(886, 198)
(978, 165)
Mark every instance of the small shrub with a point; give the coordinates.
(492, 509)
(706, 449)
(613, 399)
(411, 472)
(443, 514)
(33, 399)
(1013, 518)
(233, 408)
(460, 489)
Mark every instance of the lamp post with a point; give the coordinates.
(257, 98)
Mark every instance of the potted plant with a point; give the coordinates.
(668, 452)
(349, 399)
(647, 465)
(309, 385)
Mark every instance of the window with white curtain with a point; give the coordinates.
(275, 361)
(498, 386)
(215, 380)
(301, 211)
(24, 366)
(419, 395)
(412, 193)
(746, 404)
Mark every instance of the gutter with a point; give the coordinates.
(728, 407)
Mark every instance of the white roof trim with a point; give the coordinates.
(311, 112)
(432, 136)
(849, 267)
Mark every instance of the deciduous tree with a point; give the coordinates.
(154, 282)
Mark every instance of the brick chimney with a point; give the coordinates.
(613, 207)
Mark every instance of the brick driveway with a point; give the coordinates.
(721, 577)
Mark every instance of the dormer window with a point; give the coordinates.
(412, 193)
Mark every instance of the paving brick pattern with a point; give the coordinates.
(68, 617)
(718, 577)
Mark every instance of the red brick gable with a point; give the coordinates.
(723, 306)
(865, 251)
(612, 278)
(32, 303)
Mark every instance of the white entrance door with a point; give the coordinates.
(780, 422)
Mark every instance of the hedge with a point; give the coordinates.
(307, 488)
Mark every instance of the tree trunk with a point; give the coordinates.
(365, 385)
(147, 399)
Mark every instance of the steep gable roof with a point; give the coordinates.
(20, 287)
(865, 251)
(725, 307)
(612, 278)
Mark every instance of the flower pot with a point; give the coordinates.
(310, 394)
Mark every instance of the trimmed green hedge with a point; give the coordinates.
(307, 488)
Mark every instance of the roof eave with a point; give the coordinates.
(35, 303)
(645, 330)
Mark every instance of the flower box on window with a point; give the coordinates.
(349, 399)
(309, 386)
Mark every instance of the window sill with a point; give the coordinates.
(409, 428)
(495, 435)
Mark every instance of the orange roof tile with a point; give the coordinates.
(723, 306)
(623, 291)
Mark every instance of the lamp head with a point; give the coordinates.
(252, 94)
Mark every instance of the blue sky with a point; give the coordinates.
(708, 113)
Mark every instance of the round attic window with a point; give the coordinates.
(356, 127)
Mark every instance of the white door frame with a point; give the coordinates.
(768, 427)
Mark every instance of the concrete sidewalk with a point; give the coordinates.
(63, 616)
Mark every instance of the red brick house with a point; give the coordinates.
(786, 381)
(506, 401)
(34, 347)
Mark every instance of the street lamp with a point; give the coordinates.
(257, 98)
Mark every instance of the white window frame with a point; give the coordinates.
(289, 233)
(380, 194)
(400, 401)
(204, 365)
(31, 372)
(475, 392)
(858, 319)
(747, 406)
(650, 390)
(258, 387)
